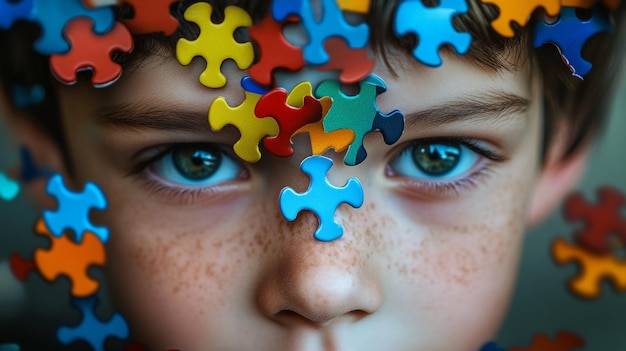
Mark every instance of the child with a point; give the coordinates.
(204, 252)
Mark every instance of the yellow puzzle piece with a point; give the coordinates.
(216, 42)
(593, 268)
(359, 6)
(519, 11)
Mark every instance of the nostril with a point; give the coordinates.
(291, 318)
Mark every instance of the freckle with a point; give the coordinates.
(218, 245)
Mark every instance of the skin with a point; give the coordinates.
(421, 266)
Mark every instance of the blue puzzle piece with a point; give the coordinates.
(248, 84)
(332, 24)
(13, 11)
(8, 188)
(360, 114)
(25, 96)
(433, 27)
(321, 198)
(491, 346)
(29, 170)
(73, 209)
(281, 9)
(91, 329)
(569, 34)
(53, 15)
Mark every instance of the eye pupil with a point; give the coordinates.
(196, 162)
(436, 159)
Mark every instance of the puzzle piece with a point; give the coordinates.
(610, 4)
(358, 6)
(519, 12)
(8, 188)
(21, 266)
(433, 27)
(26, 96)
(570, 45)
(602, 220)
(564, 341)
(289, 118)
(216, 42)
(251, 128)
(332, 24)
(360, 114)
(73, 209)
(281, 9)
(491, 346)
(248, 84)
(91, 52)
(151, 17)
(321, 198)
(354, 64)
(53, 15)
(29, 171)
(593, 268)
(91, 329)
(274, 50)
(11, 11)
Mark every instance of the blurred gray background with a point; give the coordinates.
(541, 303)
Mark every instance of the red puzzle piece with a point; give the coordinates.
(565, 341)
(91, 51)
(151, 17)
(602, 220)
(21, 266)
(274, 50)
(354, 64)
(290, 119)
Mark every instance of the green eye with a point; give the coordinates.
(436, 159)
(196, 162)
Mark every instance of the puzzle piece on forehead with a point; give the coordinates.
(8, 188)
(569, 33)
(358, 6)
(274, 50)
(91, 52)
(29, 171)
(321, 198)
(73, 209)
(610, 4)
(216, 42)
(433, 27)
(354, 64)
(251, 128)
(360, 114)
(332, 24)
(91, 329)
(519, 12)
(53, 15)
(593, 268)
(602, 219)
(564, 341)
(11, 11)
(289, 118)
(491, 346)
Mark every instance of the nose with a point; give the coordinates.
(319, 282)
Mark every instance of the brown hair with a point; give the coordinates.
(584, 104)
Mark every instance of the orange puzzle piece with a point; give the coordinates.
(564, 341)
(593, 268)
(519, 12)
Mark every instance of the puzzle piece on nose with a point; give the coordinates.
(216, 42)
(73, 209)
(11, 11)
(274, 50)
(91, 329)
(564, 341)
(433, 27)
(354, 64)
(321, 198)
(360, 114)
(251, 128)
(569, 33)
(519, 12)
(91, 52)
(8, 188)
(53, 15)
(289, 118)
(602, 219)
(593, 268)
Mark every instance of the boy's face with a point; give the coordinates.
(427, 263)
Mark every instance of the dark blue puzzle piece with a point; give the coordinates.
(73, 209)
(29, 170)
(13, 11)
(53, 15)
(569, 33)
(281, 9)
(433, 27)
(491, 346)
(26, 96)
(91, 329)
(321, 198)
(248, 84)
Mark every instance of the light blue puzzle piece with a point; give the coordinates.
(433, 27)
(360, 113)
(281, 9)
(332, 24)
(73, 209)
(13, 11)
(569, 34)
(91, 329)
(8, 188)
(321, 198)
(53, 15)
